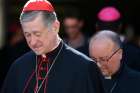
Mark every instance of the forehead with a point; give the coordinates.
(70, 20)
(33, 25)
(102, 47)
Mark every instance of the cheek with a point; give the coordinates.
(105, 70)
(114, 65)
(104, 67)
(28, 41)
(41, 42)
(47, 39)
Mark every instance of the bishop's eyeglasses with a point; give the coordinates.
(105, 59)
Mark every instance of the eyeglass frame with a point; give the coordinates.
(106, 60)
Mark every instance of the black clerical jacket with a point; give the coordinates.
(132, 56)
(125, 80)
(73, 72)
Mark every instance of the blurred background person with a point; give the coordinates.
(73, 28)
(110, 18)
(108, 54)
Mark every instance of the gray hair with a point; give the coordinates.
(48, 17)
(107, 34)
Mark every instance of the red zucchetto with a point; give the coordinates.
(33, 5)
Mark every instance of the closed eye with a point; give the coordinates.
(38, 34)
(103, 58)
(93, 58)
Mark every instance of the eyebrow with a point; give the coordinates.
(36, 32)
(100, 57)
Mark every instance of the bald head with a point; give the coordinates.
(106, 37)
(105, 49)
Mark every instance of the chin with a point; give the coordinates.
(38, 52)
(105, 73)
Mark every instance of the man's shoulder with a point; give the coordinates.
(133, 74)
(130, 78)
(74, 55)
(25, 58)
(78, 61)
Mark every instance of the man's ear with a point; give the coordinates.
(120, 53)
(56, 26)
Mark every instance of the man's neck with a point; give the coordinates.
(76, 42)
(56, 44)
